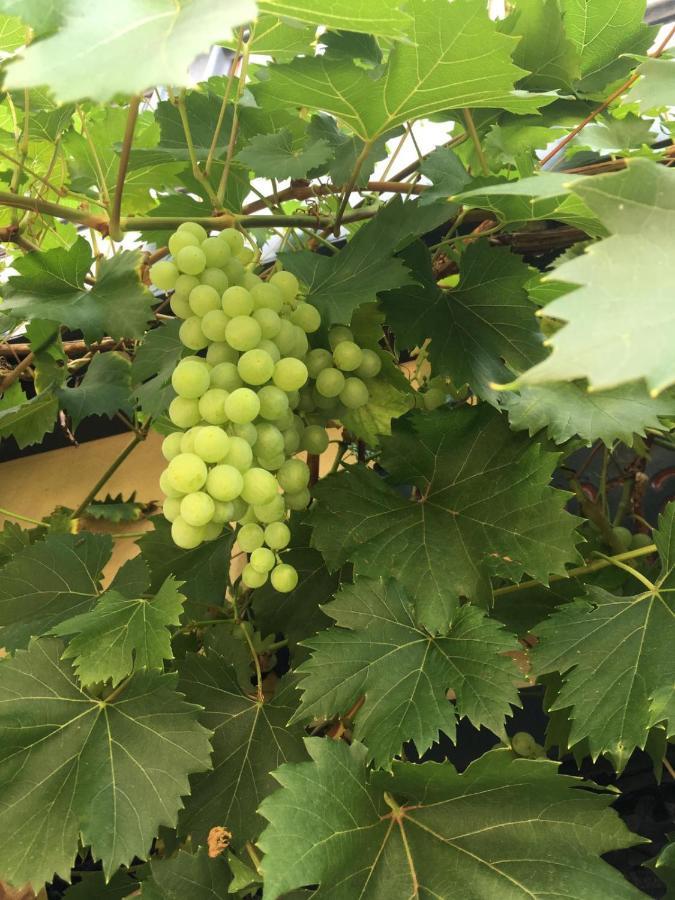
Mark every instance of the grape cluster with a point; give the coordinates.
(253, 394)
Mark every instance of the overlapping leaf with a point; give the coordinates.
(504, 828)
(71, 765)
(483, 493)
(656, 85)
(104, 390)
(545, 50)
(154, 361)
(193, 875)
(27, 420)
(279, 156)
(381, 17)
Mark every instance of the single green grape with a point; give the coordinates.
(221, 352)
(214, 325)
(246, 431)
(246, 256)
(233, 238)
(239, 509)
(306, 317)
(300, 343)
(171, 508)
(287, 283)
(191, 260)
(212, 406)
(194, 228)
(330, 382)
(273, 402)
(243, 333)
(354, 394)
(180, 239)
(183, 412)
(164, 275)
(347, 356)
(242, 406)
(277, 535)
(250, 537)
(204, 299)
(216, 251)
(433, 398)
(297, 500)
(269, 321)
(212, 530)
(273, 511)
(270, 440)
(337, 334)
(314, 439)
(197, 508)
(306, 400)
(285, 340)
(191, 335)
(167, 488)
(171, 445)
(186, 473)
(293, 476)
(267, 296)
(255, 366)
(185, 284)
(250, 280)
(290, 374)
(226, 375)
(370, 364)
(328, 405)
(187, 443)
(212, 444)
(224, 482)
(239, 453)
(640, 539)
(223, 512)
(216, 279)
(235, 271)
(285, 420)
(250, 516)
(237, 301)
(185, 536)
(191, 378)
(270, 347)
(623, 537)
(318, 360)
(523, 744)
(271, 463)
(252, 578)
(262, 559)
(259, 486)
(180, 307)
(291, 441)
(284, 578)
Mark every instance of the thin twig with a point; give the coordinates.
(109, 472)
(471, 129)
(223, 108)
(234, 130)
(127, 141)
(349, 187)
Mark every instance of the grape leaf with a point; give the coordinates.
(49, 581)
(377, 635)
(346, 149)
(664, 866)
(486, 320)
(447, 174)
(568, 409)
(132, 579)
(101, 51)
(74, 765)
(656, 86)
(281, 38)
(443, 67)
(279, 156)
(13, 539)
(121, 635)
(484, 493)
(429, 831)
(27, 421)
(381, 17)
(389, 396)
(193, 875)
(42, 15)
(631, 691)
(51, 286)
(545, 50)
(116, 509)
(92, 886)
(103, 391)
(155, 360)
(609, 339)
(603, 32)
(250, 740)
(13, 33)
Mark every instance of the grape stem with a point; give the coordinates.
(112, 468)
(130, 127)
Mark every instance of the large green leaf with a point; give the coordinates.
(279, 156)
(72, 765)
(483, 495)
(193, 875)
(381, 17)
(13, 539)
(545, 50)
(126, 47)
(282, 38)
(250, 739)
(567, 410)
(507, 828)
(614, 698)
(475, 327)
(121, 635)
(155, 360)
(27, 421)
(621, 320)
(656, 86)
(42, 15)
(51, 286)
(103, 391)
(456, 58)
(377, 635)
(47, 582)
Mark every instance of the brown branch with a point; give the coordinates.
(307, 191)
(70, 348)
(12, 376)
(127, 141)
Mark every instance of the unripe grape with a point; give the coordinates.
(237, 301)
(354, 394)
(246, 431)
(171, 445)
(233, 238)
(284, 578)
(272, 463)
(337, 334)
(235, 271)
(212, 530)
(194, 228)
(285, 340)
(191, 260)
(314, 439)
(250, 537)
(273, 511)
(180, 307)
(191, 379)
(186, 473)
(167, 488)
(184, 413)
(250, 280)
(180, 239)
(298, 499)
(291, 441)
(223, 512)
(523, 744)
(433, 398)
(164, 275)
(224, 482)
(293, 399)
(252, 578)
(226, 375)
(306, 317)
(328, 405)
(185, 285)
(171, 508)
(243, 333)
(293, 476)
(640, 539)
(239, 509)
(191, 334)
(250, 517)
(259, 487)
(242, 406)
(216, 252)
(221, 352)
(239, 453)
(270, 440)
(187, 443)
(212, 444)
(255, 366)
(262, 560)
(203, 299)
(212, 406)
(318, 360)
(370, 364)
(245, 256)
(347, 356)
(300, 343)
(284, 421)
(622, 536)
(197, 508)
(271, 348)
(273, 402)
(277, 535)
(214, 324)
(290, 374)
(287, 283)
(185, 536)
(216, 279)
(330, 382)
(267, 296)
(306, 401)
(269, 321)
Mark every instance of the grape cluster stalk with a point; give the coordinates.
(261, 383)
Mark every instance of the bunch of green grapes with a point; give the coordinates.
(252, 395)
